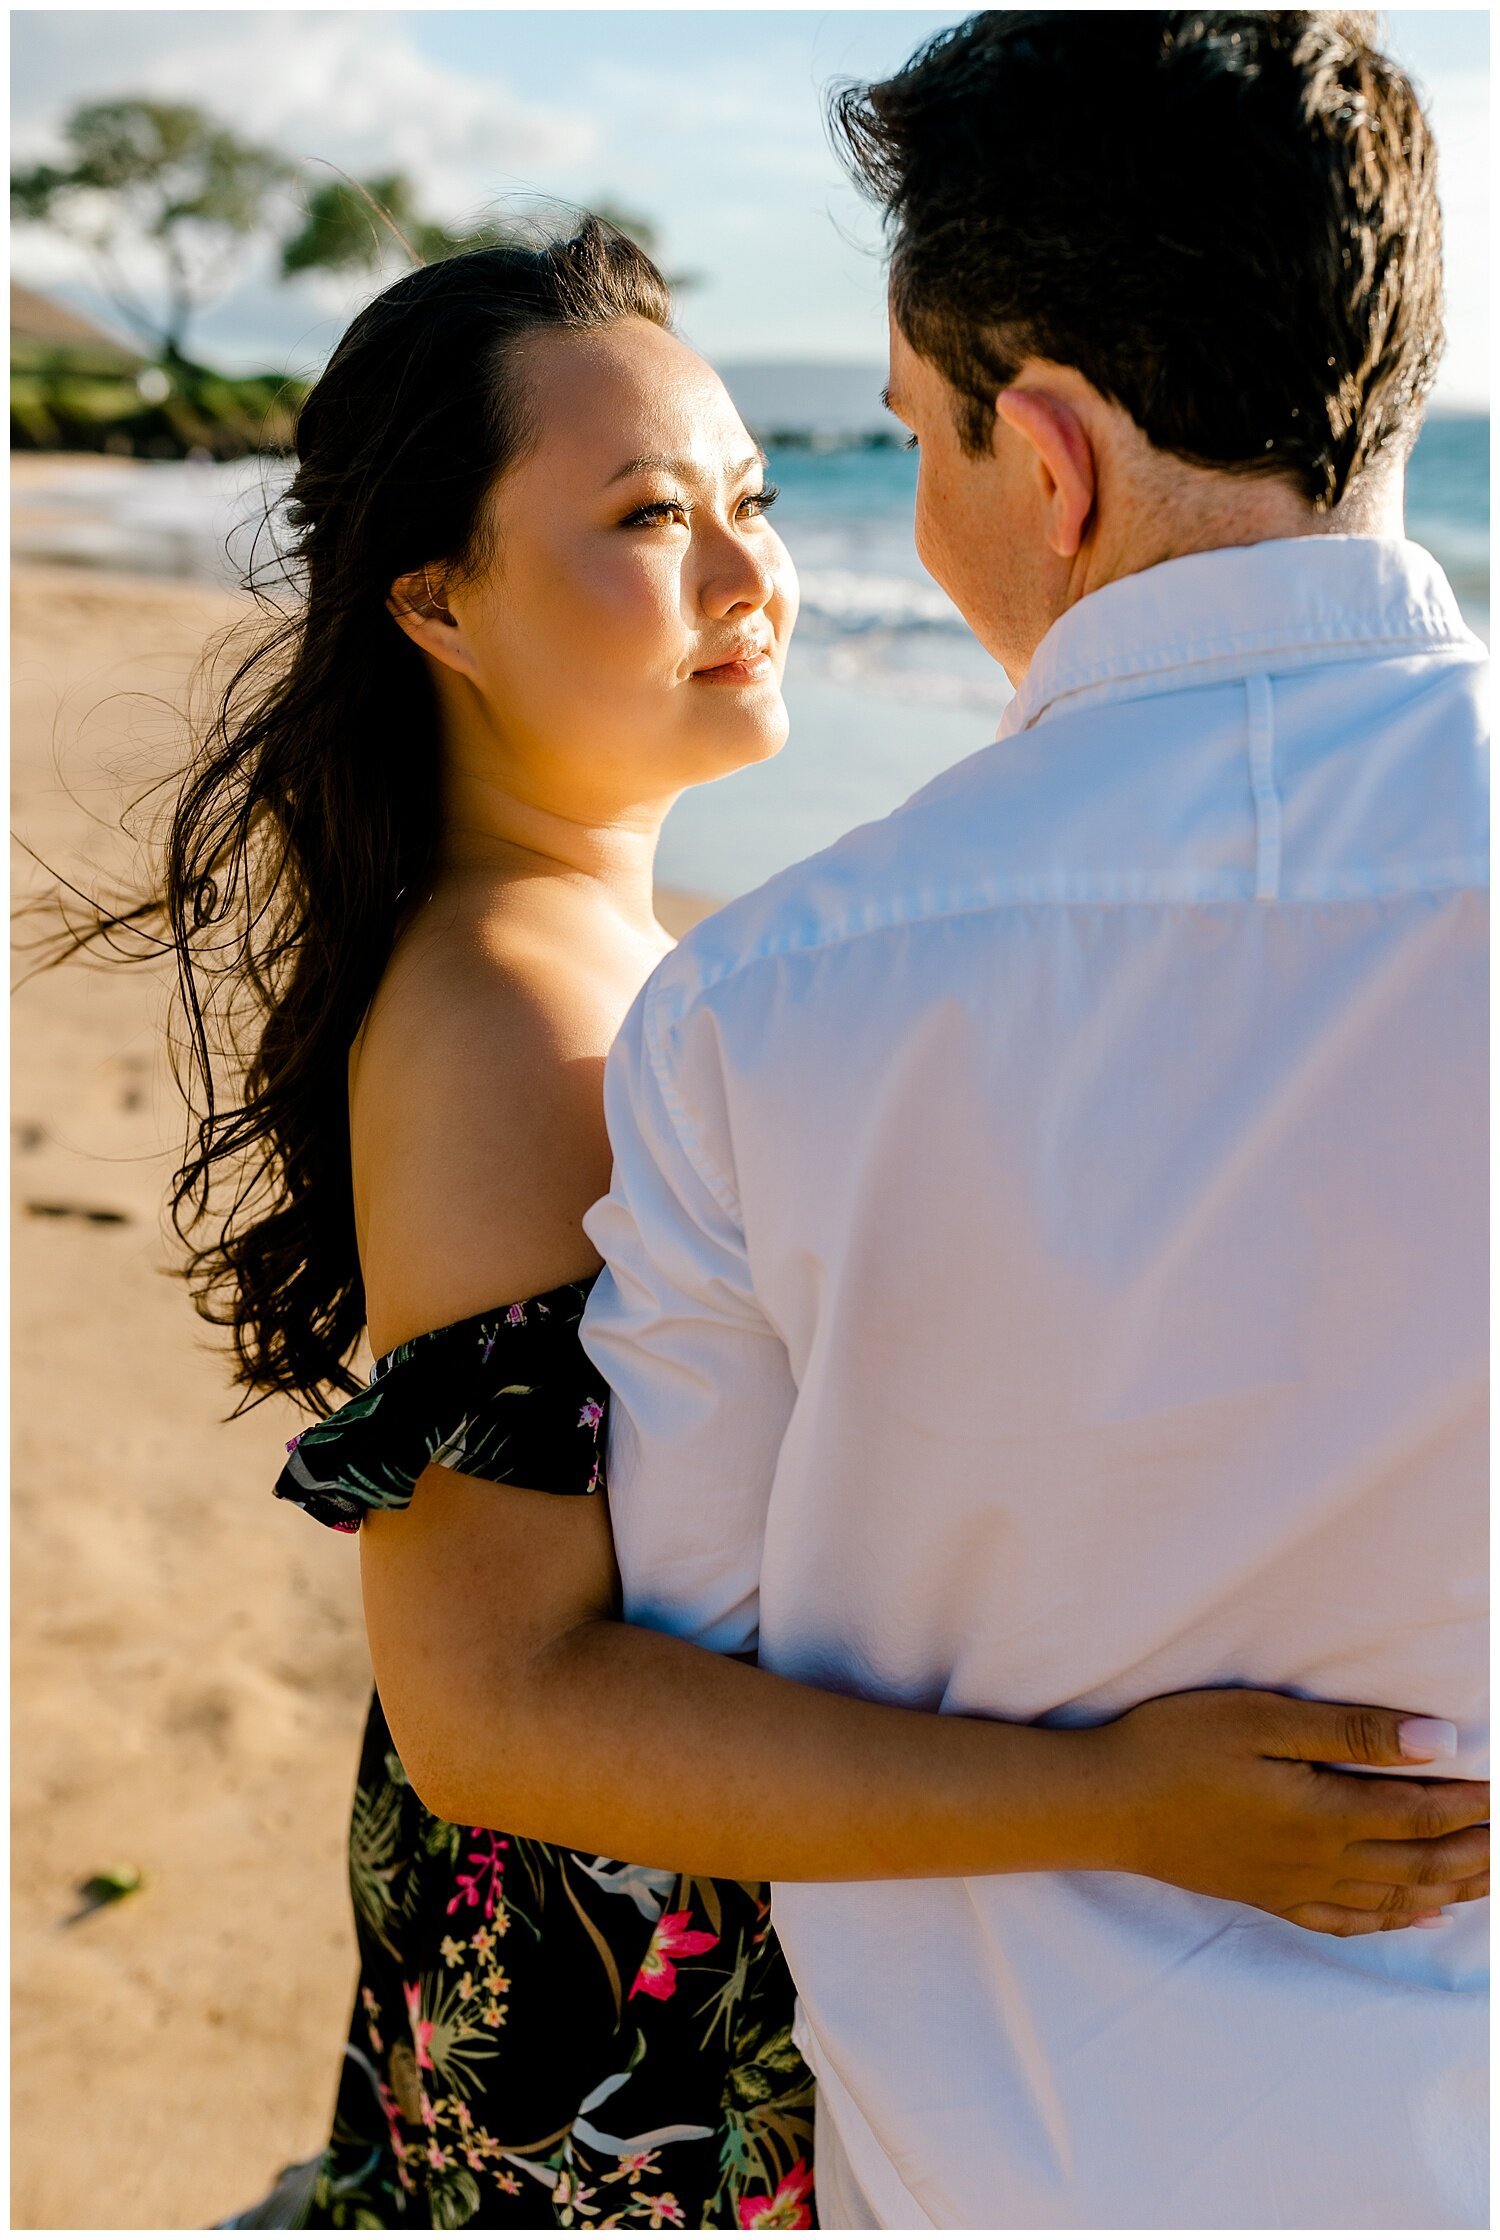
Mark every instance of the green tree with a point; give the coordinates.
(353, 225)
(164, 177)
(640, 230)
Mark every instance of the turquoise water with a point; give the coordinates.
(886, 686)
(1448, 507)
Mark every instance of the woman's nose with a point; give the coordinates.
(735, 576)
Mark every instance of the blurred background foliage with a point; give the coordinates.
(166, 199)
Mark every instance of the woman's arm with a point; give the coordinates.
(517, 1700)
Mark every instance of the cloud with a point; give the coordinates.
(753, 105)
(1458, 104)
(351, 88)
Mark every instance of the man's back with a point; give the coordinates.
(1097, 1146)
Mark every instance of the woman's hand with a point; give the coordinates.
(1229, 1791)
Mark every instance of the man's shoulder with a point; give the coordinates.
(992, 834)
(915, 863)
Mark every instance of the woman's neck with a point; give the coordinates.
(538, 826)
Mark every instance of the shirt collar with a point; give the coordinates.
(1289, 603)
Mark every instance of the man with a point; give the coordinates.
(1045, 1252)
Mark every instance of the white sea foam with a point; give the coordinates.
(198, 518)
(844, 601)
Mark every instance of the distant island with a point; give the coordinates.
(818, 407)
(74, 386)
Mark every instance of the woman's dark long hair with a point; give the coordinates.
(308, 821)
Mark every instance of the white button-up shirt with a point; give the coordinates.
(1045, 1269)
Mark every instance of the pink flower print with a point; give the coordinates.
(294, 1442)
(515, 1315)
(664, 2208)
(391, 2109)
(506, 2181)
(436, 2156)
(671, 1940)
(785, 2210)
(635, 2166)
(421, 2032)
(592, 1416)
(570, 2193)
(486, 1866)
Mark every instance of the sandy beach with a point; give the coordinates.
(189, 1668)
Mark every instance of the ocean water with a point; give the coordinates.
(847, 517)
(885, 685)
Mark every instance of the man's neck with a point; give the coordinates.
(1189, 510)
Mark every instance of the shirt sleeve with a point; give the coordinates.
(702, 1387)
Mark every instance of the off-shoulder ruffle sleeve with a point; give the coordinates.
(509, 1395)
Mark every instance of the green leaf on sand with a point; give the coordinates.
(109, 1887)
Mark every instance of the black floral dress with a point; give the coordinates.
(539, 2038)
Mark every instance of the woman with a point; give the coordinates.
(541, 596)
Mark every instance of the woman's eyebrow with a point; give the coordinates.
(686, 469)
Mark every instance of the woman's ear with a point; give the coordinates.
(418, 603)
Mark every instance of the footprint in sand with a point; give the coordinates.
(102, 1216)
(129, 1076)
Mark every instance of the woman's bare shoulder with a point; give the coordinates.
(477, 1121)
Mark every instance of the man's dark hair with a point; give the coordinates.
(1227, 223)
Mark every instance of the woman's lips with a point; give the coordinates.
(752, 665)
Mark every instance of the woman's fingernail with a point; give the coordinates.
(1429, 1920)
(1427, 1739)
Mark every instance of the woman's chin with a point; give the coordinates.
(752, 732)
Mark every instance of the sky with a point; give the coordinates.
(708, 122)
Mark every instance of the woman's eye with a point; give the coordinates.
(669, 510)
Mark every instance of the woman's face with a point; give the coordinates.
(628, 636)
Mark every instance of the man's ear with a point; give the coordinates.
(418, 604)
(1063, 457)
